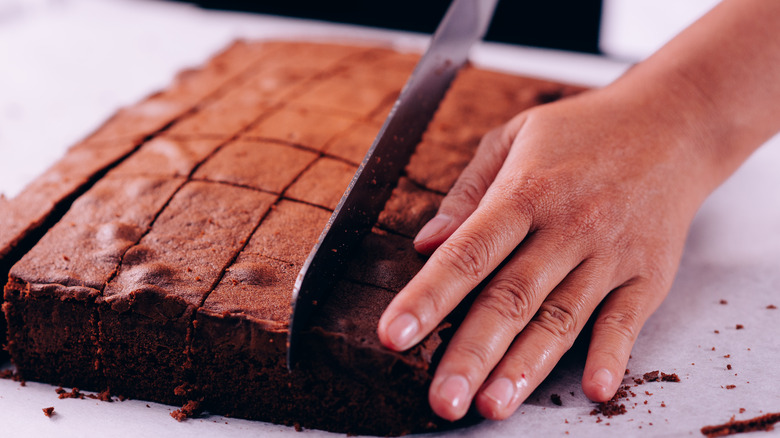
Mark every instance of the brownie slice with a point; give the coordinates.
(146, 310)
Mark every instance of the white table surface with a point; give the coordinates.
(67, 65)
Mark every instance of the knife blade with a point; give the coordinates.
(464, 23)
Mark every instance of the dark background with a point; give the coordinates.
(560, 24)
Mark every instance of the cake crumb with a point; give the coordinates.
(740, 326)
(673, 377)
(190, 409)
(728, 366)
(74, 393)
(724, 302)
(762, 423)
(731, 386)
(11, 375)
(556, 399)
(771, 307)
(48, 411)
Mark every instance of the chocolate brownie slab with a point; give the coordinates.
(171, 279)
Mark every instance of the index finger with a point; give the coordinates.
(476, 248)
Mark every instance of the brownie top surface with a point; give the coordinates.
(225, 181)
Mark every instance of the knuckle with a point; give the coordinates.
(473, 351)
(624, 323)
(468, 190)
(558, 320)
(528, 195)
(511, 298)
(468, 256)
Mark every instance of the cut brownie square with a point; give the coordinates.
(301, 126)
(259, 164)
(288, 232)
(147, 309)
(409, 208)
(385, 260)
(353, 144)
(323, 183)
(436, 166)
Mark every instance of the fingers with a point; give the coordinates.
(455, 269)
(543, 341)
(498, 314)
(463, 198)
(615, 330)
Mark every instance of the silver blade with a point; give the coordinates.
(465, 22)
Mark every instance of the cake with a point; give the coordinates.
(156, 259)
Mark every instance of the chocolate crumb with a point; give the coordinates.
(717, 332)
(190, 409)
(771, 307)
(74, 393)
(731, 386)
(48, 411)
(724, 302)
(740, 326)
(652, 376)
(670, 377)
(741, 410)
(728, 366)
(764, 422)
(556, 399)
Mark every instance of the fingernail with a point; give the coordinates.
(500, 391)
(402, 330)
(603, 378)
(455, 391)
(433, 227)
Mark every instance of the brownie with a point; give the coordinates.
(258, 164)
(302, 126)
(173, 236)
(323, 183)
(146, 310)
(353, 144)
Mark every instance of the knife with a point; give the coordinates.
(464, 23)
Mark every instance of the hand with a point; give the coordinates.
(572, 205)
